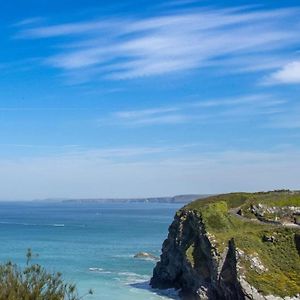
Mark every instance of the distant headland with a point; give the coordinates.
(171, 199)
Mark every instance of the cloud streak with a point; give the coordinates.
(289, 120)
(131, 48)
(240, 108)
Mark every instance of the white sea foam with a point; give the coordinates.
(131, 277)
(16, 223)
(99, 270)
(123, 256)
(95, 269)
(41, 225)
(132, 274)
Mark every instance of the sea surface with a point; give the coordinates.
(91, 244)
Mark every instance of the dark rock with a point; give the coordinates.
(207, 274)
(269, 239)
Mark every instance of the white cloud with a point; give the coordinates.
(131, 48)
(288, 74)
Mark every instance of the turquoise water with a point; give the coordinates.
(91, 244)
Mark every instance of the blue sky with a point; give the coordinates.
(147, 98)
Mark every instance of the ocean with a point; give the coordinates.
(91, 244)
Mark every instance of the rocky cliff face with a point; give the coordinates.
(192, 263)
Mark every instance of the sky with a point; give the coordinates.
(148, 98)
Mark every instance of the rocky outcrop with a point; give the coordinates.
(275, 214)
(146, 256)
(191, 263)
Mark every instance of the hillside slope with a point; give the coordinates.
(234, 246)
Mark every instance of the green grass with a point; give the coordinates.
(233, 200)
(280, 257)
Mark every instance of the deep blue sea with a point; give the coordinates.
(91, 244)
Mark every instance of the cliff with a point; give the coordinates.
(217, 248)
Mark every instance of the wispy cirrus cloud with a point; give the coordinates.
(153, 116)
(146, 112)
(130, 47)
(288, 120)
(240, 108)
(65, 29)
(28, 21)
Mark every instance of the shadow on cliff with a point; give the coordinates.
(228, 280)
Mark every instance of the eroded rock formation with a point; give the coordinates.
(191, 263)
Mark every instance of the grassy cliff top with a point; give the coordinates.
(280, 258)
(234, 200)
